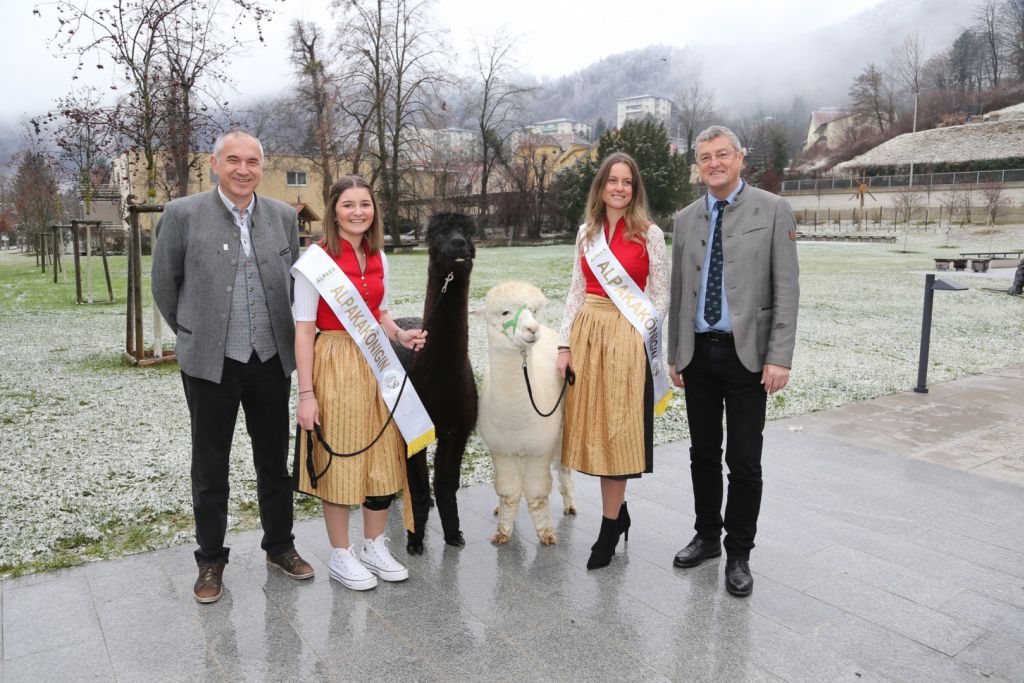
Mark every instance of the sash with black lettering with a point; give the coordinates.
(345, 301)
(635, 306)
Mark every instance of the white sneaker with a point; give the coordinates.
(346, 569)
(376, 557)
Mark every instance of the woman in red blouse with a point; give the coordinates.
(339, 392)
(609, 411)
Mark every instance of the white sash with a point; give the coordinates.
(345, 301)
(637, 308)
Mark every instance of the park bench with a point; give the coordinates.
(997, 259)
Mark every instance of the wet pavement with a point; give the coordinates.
(890, 547)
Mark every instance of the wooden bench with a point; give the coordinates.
(980, 265)
(942, 263)
(996, 259)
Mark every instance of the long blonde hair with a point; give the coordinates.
(637, 217)
(332, 236)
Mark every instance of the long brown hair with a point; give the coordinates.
(637, 217)
(332, 236)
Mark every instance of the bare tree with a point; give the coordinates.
(391, 48)
(988, 28)
(7, 215)
(192, 46)
(904, 204)
(1013, 36)
(908, 63)
(318, 96)
(34, 187)
(872, 96)
(498, 104)
(159, 50)
(85, 147)
(695, 107)
(994, 201)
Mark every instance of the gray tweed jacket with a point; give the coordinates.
(761, 278)
(194, 264)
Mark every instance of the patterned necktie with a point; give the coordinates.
(713, 293)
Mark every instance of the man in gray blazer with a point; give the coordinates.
(732, 327)
(221, 281)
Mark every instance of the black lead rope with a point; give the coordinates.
(311, 466)
(570, 378)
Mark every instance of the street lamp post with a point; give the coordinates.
(913, 130)
(930, 285)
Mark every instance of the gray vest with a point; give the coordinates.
(249, 320)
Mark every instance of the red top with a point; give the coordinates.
(632, 255)
(369, 282)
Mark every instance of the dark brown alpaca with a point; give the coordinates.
(442, 374)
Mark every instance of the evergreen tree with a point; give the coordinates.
(665, 175)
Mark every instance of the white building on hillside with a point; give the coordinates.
(562, 127)
(641, 107)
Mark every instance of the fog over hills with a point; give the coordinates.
(758, 76)
(778, 74)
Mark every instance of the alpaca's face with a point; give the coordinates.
(450, 243)
(512, 311)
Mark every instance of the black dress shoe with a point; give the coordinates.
(738, 580)
(697, 551)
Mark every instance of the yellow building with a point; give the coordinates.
(545, 155)
(294, 180)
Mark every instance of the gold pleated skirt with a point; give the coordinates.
(604, 410)
(352, 413)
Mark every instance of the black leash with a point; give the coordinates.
(311, 466)
(570, 378)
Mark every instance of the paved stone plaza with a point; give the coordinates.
(891, 547)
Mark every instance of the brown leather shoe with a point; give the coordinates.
(210, 583)
(291, 564)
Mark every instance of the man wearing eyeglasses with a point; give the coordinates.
(732, 327)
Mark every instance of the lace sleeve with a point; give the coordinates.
(657, 278)
(574, 299)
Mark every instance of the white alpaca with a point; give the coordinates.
(523, 444)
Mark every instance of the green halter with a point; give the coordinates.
(512, 323)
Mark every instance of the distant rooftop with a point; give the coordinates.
(640, 97)
(821, 117)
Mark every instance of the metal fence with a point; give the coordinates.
(920, 180)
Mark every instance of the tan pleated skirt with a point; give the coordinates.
(352, 413)
(604, 410)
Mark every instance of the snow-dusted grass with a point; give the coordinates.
(95, 455)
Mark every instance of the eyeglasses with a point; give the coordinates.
(705, 159)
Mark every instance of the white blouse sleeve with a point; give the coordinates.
(577, 293)
(306, 299)
(658, 272)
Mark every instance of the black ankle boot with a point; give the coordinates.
(623, 521)
(601, 555)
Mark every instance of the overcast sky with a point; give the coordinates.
(555, 37)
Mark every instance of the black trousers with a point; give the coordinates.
(714, 379)
(263, 391)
